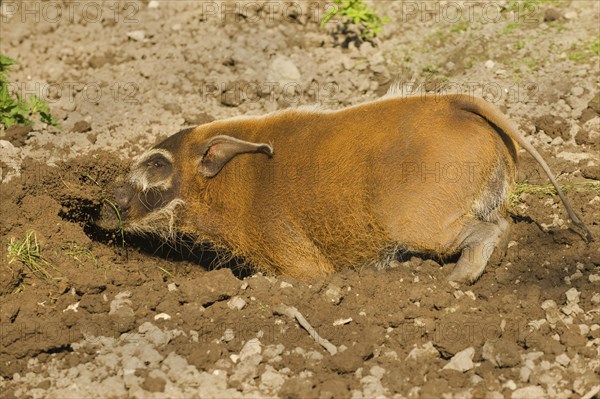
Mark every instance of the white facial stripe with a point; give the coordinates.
(138, 177)
(145, 156)
(139, 180)
(155, 221)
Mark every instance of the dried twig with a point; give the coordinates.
(293, 313)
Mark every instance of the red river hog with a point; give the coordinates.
(306, 192)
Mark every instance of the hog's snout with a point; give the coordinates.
(122, 195)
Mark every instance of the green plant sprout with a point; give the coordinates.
(16, 110)
(78, 252)
(356, 12)
(549, 190)
(28, 252)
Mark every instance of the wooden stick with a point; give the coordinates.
(293, 313)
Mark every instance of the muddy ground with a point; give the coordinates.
(129, 317)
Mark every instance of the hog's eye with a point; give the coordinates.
(156, 163)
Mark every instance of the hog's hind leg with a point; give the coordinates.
(481, 239)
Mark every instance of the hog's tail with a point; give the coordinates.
(494, 116)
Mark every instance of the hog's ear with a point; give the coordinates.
(221, 149)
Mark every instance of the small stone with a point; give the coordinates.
(524, 374)
(501, 353)
(510, 384)
(572, 295)
(271, 380)
(549, 304)
(137, 35)
(236, 303)
(462, 361)
(172, 287)
(424, 351)
(81, 127)
(162, 316)
(577, 91)
(551, 14)
(285, 284)
(596, 298)
(532, 391)
(563, 359)
(228, 335)
(584, 329)
(571, 15)
(489, 64)
(283, 71)
(154, 334)
(576, 275)
(153, 4)
(251, 348)
(377, 371)
(333, 294)
(594, 278)
(470, 294)
(340, 322)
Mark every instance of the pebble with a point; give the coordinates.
(571, 15)
(283, 71)
(228, 335)
(423, 351)
(162, 316)
(153, 4)
(172, 287)
(572, 295)
(532, 391)
(137, 35)
(594, 278)
(72, 307)
(524, 374)
(236, 303)
(596, 298)
(285, 284)
(577, 91)
(154, 334)
(563, 359)
(470, 294)
(503, 353)
(340, 322)
(462, 361)
(551, 14)
(489, 64)
(251, 348)
(584, 329)
(121, 305)
(333, 294)
(549, 304)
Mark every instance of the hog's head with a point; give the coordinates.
(153, 196)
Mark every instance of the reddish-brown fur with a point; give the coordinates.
(352, 187)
